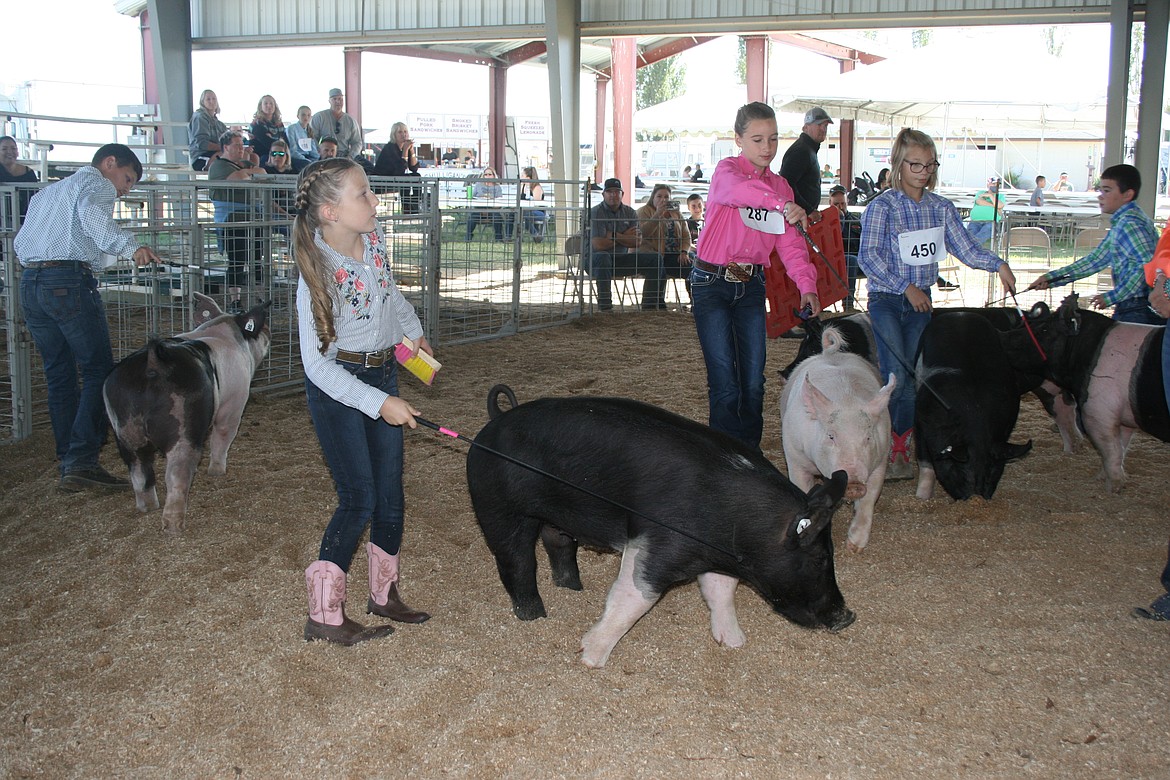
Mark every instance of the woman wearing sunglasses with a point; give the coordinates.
(279, 159)
(905, 232)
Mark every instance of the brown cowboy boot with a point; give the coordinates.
(327, 620)
(384, 600)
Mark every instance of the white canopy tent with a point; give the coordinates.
(986, 93)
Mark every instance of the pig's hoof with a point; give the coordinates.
(733, 639)
(215, 470)
(529, 611)
(572, 582)
(593, 659)
(854, 548)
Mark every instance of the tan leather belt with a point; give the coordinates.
(732, 272)
(366, 359)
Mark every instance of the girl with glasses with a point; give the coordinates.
(906, 232)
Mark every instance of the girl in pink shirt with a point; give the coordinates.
(749, 211)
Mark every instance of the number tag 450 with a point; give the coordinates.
(922, 247)
(763, 220)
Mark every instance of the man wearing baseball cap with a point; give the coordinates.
(334, 123)
(614, 243)
(800, 167)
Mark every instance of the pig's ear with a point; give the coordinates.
(252, 321)
(815, 402)
(823, 501)
(1009, 452)
(205, 308)
(881, 401)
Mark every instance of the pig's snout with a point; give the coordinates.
(841, 621)
(855, 490)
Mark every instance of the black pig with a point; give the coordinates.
(675, 498)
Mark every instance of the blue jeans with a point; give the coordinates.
(1136, 310)
(980, 231)
(898, 329)
(853, 273)
(605, 266)
(365, 458)
(67, 320)
(493, 218)
(730, 320)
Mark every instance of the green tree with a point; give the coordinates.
(920, 38)
(660, 81)
(741, 61)
(1137, 47)
(1054, 40)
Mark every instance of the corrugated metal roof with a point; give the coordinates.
(488, 27)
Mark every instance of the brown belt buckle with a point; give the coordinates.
(738, 272)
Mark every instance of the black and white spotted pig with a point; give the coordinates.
(675, 498)
(175, 394)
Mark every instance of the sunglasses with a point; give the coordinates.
(337, 126)
(278, 154)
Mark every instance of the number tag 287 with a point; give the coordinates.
(763, 220)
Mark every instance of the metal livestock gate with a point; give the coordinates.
(464, 290)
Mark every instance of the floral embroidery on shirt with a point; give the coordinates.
(353, 291)
(353, 288)
(381, 263)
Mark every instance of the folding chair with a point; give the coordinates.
(1033, 247)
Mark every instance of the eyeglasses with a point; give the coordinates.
(929, 167)
(278, 154)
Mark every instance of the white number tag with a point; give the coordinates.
(922, 247)
(305, 144)
(763, 220)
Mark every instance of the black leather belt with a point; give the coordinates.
(77, 265)
(367, 359)
(732, 272)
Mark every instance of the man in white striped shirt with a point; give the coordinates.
(61, 244)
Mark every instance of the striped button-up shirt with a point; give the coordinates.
(73, 220)
(1126, 247)
(893, 213)
(369, 314)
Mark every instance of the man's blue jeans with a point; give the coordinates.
(67, 320)
(730, 320)
(365, 458)
(605, 266)
(898, 329)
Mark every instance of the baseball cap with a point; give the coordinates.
(837, 188)
(816, 115)
(335, 92)
(612, 184)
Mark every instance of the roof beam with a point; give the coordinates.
(816, 45)
(422, 52)
(523, 53)
(658, 53)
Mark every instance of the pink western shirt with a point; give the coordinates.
(725, 238)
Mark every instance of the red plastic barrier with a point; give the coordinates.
(784, 298)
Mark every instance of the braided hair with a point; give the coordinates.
(320, 183)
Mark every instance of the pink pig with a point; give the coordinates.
(835, 416)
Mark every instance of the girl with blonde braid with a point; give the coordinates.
(351, 317)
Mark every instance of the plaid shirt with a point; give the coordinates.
(72, 219)
(892, 213)
(1126, 247)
